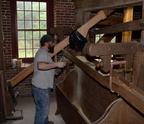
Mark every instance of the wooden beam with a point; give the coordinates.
(128, 26)
(83, 30)
(128, 16)
(93, 49)
(112, 20)
(95, 5)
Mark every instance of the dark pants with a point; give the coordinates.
(42, 101)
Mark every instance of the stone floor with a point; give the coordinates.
(28, 110)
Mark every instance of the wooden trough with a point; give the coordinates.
(82, 100)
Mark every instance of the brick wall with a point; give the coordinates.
(63, 16)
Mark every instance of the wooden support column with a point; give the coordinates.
(138, 70)
(128, 16)
(2, 77)
(142, 32)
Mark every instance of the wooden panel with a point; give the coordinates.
(87, 96)
(93, 5)
(122, 113)
(82, 100)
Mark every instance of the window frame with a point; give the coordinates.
(50, 24)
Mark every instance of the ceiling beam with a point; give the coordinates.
(95, 5)
(128, 26)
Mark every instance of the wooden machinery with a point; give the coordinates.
(96, 92)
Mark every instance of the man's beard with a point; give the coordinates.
(51, 49)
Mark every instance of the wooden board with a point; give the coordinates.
(128, 26)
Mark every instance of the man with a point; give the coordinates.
(43, 78)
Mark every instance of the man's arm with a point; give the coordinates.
(46, 66)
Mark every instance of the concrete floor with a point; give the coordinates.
(28, 110)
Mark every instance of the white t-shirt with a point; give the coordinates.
(43, 78)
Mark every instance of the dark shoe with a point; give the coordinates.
(51, 122)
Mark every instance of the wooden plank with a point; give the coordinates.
(23, 74)
(128, 16)
(111, 20)
(94, 5)
(83, 30)
(128, 93)
(129, 26)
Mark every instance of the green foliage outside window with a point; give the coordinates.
(31, 26)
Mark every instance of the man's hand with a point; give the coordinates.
(61, 64)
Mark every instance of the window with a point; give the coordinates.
(99, 36)
(31, 23)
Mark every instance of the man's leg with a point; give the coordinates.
(42, 101)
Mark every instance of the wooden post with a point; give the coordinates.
(142, 32)
(2, 76)
(128, 16)
(138, 69)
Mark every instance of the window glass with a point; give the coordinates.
(31, 26)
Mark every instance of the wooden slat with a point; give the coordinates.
(83, 30)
